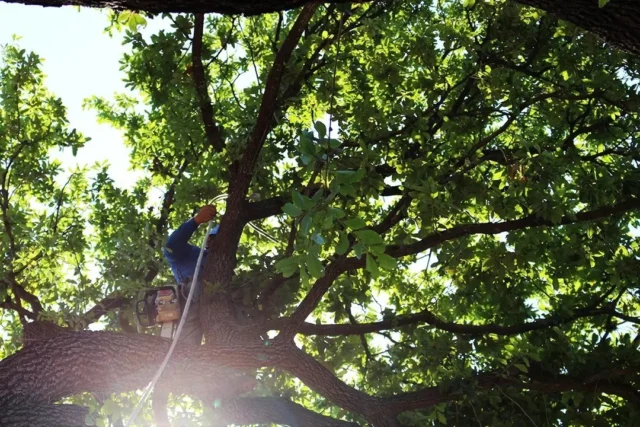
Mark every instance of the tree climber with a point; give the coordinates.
(183, 257)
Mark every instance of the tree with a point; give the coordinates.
(451, 194)
(617, 22)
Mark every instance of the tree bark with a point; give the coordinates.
(259, 410)
(618, 22)
(43, 415)
(226, 7)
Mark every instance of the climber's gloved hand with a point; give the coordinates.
(206, 214)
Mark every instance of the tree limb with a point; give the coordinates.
(264, 208)
(334, 269)
(212, 132)
(242, 171)
(23, 313)
(530, 221)
(429, 318)
(111, 302)
(45, 415)
(431, 396)
(225, 7)
(276, 410)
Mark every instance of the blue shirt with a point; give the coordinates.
(181, 255)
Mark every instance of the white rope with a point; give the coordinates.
(257, 228)
(183, 318)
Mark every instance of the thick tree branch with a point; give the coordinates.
(118, 362)
(333, 270)
(268, 105)
(264, 209)
(271, 410)
(23, 313)
(111, 302)
(214, 136)
(316, 376)
(429, 318)
(605, 22)
(45, 415)
(125, 362)
(219, 266)
(545, 384)
(530, 221)
(225, 7)
(21, 293)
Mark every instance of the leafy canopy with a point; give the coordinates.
(447, 118)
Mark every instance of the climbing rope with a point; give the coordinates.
(258, 229)
(183, 318)
(156, 377)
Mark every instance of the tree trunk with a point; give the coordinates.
(618, 22)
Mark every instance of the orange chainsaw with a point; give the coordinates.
(160, 306)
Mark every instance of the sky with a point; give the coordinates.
(79, 60)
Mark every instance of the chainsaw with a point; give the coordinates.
(160, 306)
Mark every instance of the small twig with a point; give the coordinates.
(250, 48)
(518, 405)
(276, 39)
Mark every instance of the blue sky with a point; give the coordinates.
(80, 60)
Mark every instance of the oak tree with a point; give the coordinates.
(446, 198)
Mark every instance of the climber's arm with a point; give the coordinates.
(178, 242)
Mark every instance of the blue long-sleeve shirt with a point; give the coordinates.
(181, 255)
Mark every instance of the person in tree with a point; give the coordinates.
(183, 257)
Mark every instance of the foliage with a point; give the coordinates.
(446, 116)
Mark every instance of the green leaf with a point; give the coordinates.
(291, 210)
(305, 224)
(136, 20)
(307, 147)
(468, 3)
(297, 199)
(315, 267)
(343, 244)
(535, 357)
(318, 239)
(321, 129)
(358, 248)
(521, 367)
(355, 223)
(603, 3)
(387, 262)
(369, 237)
(337, 213)
(287, 266)
(372, 266)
